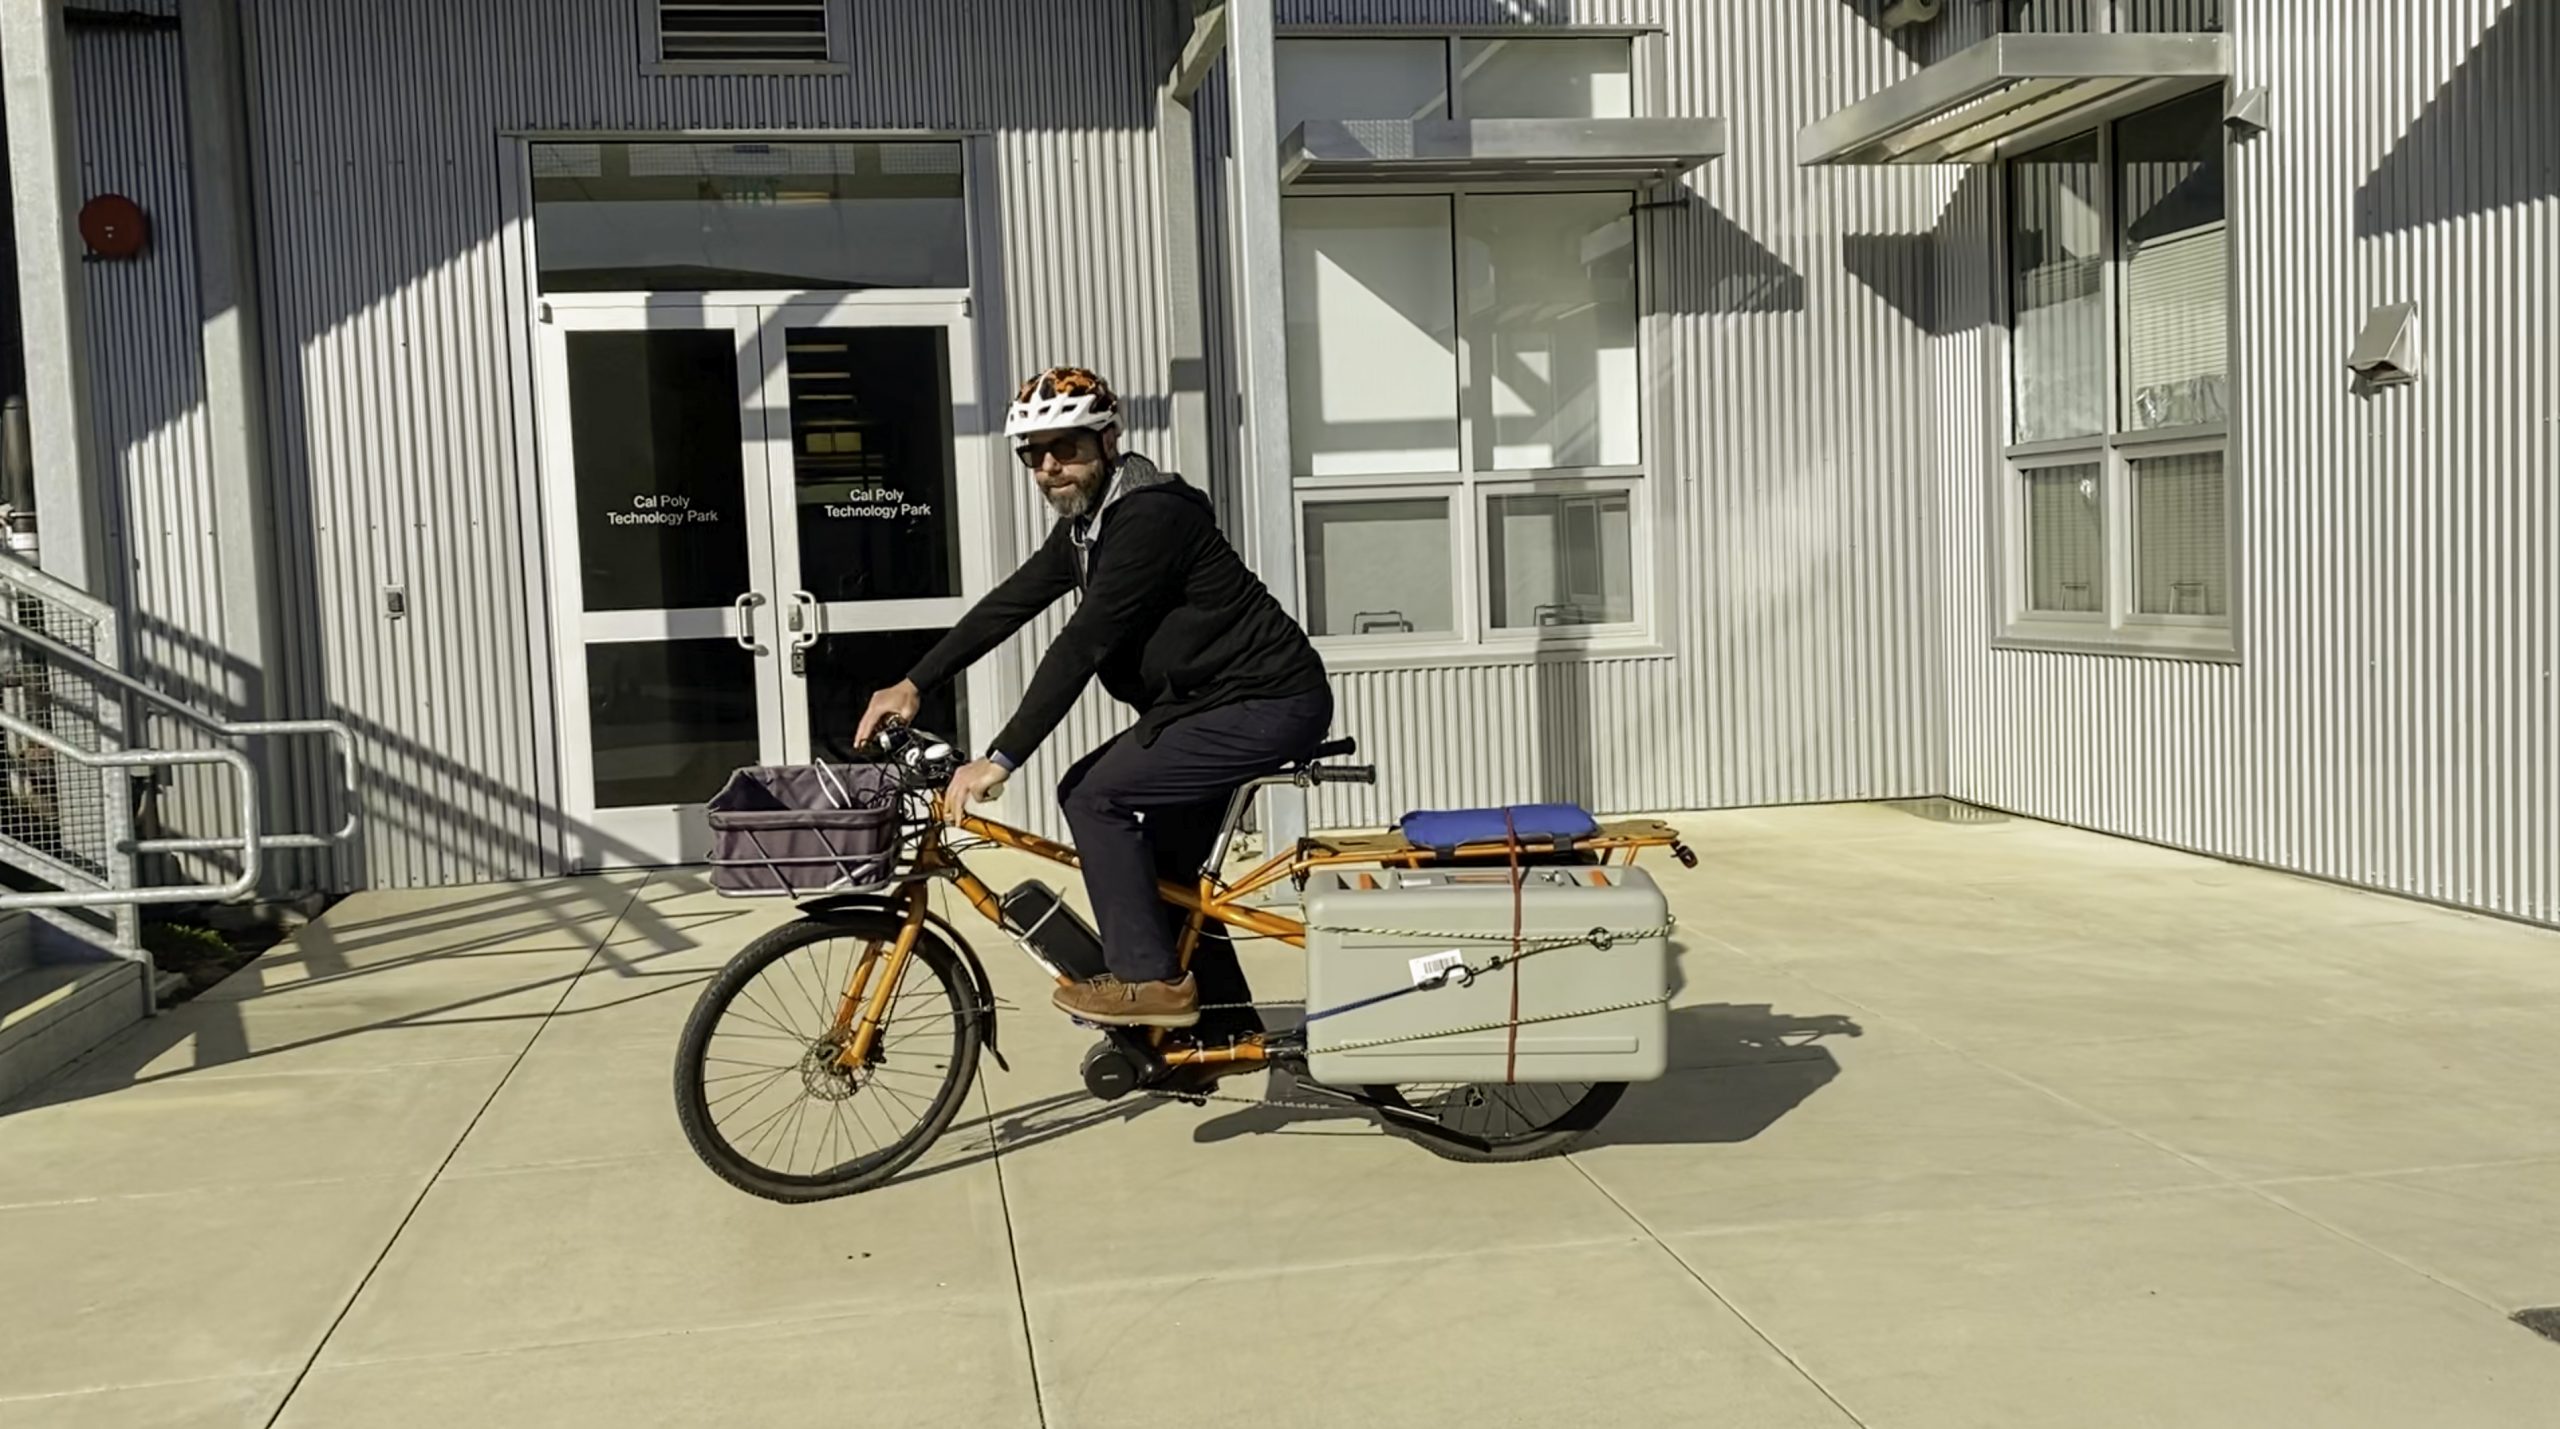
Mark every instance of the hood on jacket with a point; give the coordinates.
(1135, 474)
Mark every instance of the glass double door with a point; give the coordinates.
(758, 517)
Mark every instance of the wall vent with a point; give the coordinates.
(742, 31)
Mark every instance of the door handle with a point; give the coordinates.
(745, 605)
(807, 622)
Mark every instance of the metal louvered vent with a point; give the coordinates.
(748, 31)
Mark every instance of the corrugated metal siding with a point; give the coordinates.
(147, 412)
(2395, 720)
(1802, 585)
(1801, 618)
(398, 408)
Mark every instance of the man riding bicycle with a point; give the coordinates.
(1224, 681)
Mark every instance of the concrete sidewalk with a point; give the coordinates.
(1974, 1125)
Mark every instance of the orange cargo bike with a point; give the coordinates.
(831, 1052)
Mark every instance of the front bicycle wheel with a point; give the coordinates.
(760, 1089)
(1491, 1121)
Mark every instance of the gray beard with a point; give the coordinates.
(1075, 501)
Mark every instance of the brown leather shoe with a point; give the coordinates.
(1113, 1003)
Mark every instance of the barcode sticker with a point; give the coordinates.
(1430, 969)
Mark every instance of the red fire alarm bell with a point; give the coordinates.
(113, 226)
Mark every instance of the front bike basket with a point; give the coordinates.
(791, 829)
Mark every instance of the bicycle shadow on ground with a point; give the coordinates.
(1736, 1070)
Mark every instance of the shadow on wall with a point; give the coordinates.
(2451, 163)
(1709, 264)
(466, 823)
(1904, 268)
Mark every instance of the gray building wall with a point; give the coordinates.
(395, 310)
(2394, 719)
(147, 393)
(1799, 663)
(1790, 405)
(1818, 414)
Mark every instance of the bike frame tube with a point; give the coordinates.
(1208, 898)
(860, 978)
(1225, 902)
(867, 1031)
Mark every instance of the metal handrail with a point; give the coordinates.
(335, 730)
(19, 570)
(249, 845)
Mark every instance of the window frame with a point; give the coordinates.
(1411, 486)
(2118, 628)
(1648, 59)
(1470, 488)
(1594, 481)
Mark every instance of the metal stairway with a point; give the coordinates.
(81, 744)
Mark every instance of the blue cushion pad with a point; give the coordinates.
(1533, 824)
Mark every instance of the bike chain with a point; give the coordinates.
(1602, 938)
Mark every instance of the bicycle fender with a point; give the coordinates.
(837, 907)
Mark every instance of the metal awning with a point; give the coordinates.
(1331, 153)
(2011, 91)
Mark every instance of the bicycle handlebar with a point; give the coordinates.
(1342, 773)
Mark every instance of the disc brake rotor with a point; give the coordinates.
(822, 1071)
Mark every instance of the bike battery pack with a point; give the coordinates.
(1035, 913)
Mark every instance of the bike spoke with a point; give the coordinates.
(758, 1087)
(758, 1095)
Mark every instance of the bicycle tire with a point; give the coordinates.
(693, 1097)
(1552, 1135)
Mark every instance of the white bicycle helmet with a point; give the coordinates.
(1061, 397)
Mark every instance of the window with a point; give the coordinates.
(2194, 17)
(1464, 365)
(1559, 559)
(1546, 78)
(1463, 374)
(1508, 76)
(1381, 566)
(2114, 494)
(749, 216)
(1362, 79)
(714, 36)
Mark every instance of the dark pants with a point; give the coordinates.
(1144, 811)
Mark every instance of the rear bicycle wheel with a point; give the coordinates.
(1490, 1121)
(760, 1093)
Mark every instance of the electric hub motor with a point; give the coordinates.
(1111, 1071)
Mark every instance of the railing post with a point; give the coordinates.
(35, 87)
(116, 723)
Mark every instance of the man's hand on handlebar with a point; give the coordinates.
(899, 702)
(977, 781)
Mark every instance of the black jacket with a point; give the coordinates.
(1170, 618)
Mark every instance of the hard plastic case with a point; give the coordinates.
(1362, 984)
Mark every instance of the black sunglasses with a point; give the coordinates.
(1066, 449)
